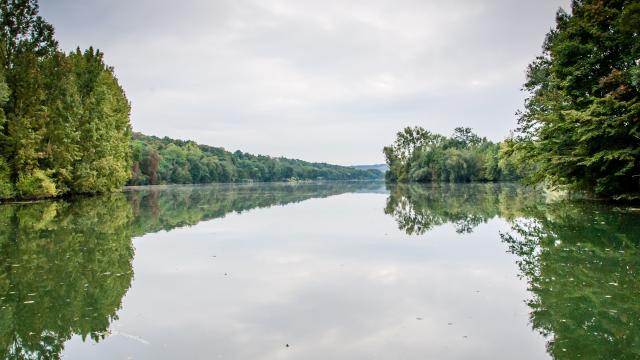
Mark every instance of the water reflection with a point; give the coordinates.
(581, 263)
(417, 208)
(332, 270)
(66, 265)
(165, 208)
(65, 268)
(580, 259)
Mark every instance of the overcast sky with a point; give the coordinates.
(329, 80)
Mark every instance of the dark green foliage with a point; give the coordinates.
(170, 161)
(64, 120)
(6, 185)
(581, 126)
(421, 156)
(104, 139)
(583, 278)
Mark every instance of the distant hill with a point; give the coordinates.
(170, 161)
(380, 167)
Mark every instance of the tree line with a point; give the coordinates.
(169, 161)
(580, 128)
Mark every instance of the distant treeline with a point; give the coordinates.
(169, 161)
(419, 155)
(64, 119)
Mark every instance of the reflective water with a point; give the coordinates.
(320, 271)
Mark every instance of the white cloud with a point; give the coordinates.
(319, 80)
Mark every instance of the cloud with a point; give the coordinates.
(319, 80)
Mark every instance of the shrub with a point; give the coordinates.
(36, 184)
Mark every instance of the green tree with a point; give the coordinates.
(64, 122)
(581, 124)
(6, 184)
(26, 41)
(104, 126)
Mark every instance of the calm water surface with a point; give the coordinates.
(320, 271)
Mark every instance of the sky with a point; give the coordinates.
(328, 81)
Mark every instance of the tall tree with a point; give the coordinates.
(64, 126)
(105, 132)
(581, 124)
(6, 183)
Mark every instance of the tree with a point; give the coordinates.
(64, 122)
(6, 184)
(23, 30)
(104, 126)
(581, 124)
(465, 137)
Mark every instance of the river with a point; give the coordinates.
(333, 270)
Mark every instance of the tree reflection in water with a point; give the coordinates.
(581, 260)
(419, 207)
(581, 263)
(65, 268)
(66, 265)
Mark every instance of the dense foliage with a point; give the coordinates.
(64, 120)
(581, 125)
(169, 161)
(421, 156)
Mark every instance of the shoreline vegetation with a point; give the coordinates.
(169, 161)
(64, 118)
(418, 155)
(580, 128)
(65, 127)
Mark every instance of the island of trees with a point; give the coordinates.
(580, 129)
(419, 155)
